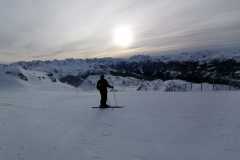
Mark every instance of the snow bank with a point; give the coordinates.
(9, 82)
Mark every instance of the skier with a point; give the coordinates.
(102, 86)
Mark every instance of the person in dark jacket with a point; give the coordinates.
(102, 86)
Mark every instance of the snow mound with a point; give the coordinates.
(180, 86)
(150, 85)
(159, 85)
(176, 85)
(9, 82)
(42, 81)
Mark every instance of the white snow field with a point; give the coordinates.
(60, 125)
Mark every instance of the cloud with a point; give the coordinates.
(78, 28)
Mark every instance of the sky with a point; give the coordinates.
(59, 29)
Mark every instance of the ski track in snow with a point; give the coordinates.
(57, 125)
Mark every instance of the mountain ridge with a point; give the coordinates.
(199, 67)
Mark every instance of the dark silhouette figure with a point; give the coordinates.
(102, 86)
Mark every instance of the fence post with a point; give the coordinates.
(213, 86)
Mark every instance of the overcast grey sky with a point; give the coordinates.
(47, 29)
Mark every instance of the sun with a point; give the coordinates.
(123, 36)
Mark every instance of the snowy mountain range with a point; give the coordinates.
(203, 55)
(141, 72)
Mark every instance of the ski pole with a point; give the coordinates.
(113, 93)
(114, 97)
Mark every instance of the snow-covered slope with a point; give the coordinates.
(19, 78)
(41, 81)
(60, 125)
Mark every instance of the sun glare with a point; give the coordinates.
(123, 36)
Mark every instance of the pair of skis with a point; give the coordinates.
(108, 107)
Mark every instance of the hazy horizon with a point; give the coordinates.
(60, 29)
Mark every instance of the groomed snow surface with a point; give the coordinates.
(60, 125)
